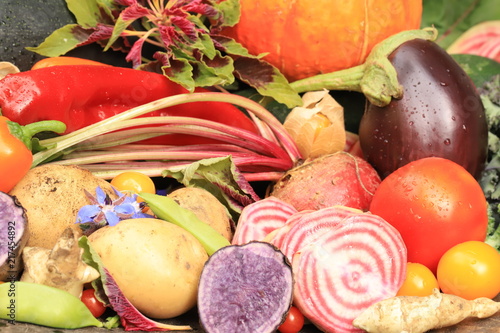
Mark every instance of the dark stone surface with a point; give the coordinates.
(26, 23)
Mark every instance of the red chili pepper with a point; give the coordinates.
(15, 149)
(81, 95)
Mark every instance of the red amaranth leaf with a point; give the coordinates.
(186, 26)
(130, 317)
(100, 32)
(134, 12)
(168, 35)
(197, 6)
(134, 55)
(126, 2)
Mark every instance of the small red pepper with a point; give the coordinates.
(15, 149)
(81, 95)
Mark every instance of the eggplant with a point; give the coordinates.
(440, 114)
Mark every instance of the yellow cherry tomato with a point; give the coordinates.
(133, 182)
(470, 270)
(419, 281)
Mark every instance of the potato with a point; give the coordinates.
(156, 264)
(52, 195)
(206, 207)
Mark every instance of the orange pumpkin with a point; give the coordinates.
(309, 37)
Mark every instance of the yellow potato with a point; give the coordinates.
(156, 264)
(206, 207)
(52, 195)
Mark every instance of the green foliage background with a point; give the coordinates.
(453, 17)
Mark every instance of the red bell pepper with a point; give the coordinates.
(81, 95)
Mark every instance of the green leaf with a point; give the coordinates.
(234, 48)
(120, 26)
(87, 12)
(220, 177)
(218, 71)
(479, 69)
(205, 45)
(230, 10)
(181, 72)
(62, 40)
(92, 258)
(452, 18)
(267, 80)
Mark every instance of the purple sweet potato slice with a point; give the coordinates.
(245, 288)
(13, 236)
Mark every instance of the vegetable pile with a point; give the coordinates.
(215, 187)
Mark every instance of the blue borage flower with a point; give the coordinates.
(104, 211)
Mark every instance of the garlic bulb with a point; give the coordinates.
(317, 126)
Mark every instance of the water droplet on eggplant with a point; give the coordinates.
(440, 113)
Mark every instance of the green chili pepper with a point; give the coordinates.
(167, 209)
(43, 305)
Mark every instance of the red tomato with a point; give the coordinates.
(470, 270)
(435, 204)
(93, 304)
(294, 321)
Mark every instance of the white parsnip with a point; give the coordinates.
(413, 314)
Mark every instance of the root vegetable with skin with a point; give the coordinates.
(206, 207)
(156, 264)
(420, 314)
(61, 267)
(329, 180)
(52, 196)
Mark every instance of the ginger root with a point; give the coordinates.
(420, 314)
(61, 267)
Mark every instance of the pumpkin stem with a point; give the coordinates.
(376, 78)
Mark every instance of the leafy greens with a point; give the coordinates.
(178, 38)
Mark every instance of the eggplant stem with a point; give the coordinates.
(376, 78)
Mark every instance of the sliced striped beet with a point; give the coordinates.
(277, 236)
(245, 288)
(358, 263)
(260, 218)
(312, 226)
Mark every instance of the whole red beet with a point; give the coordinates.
(329, 180)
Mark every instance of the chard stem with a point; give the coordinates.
(155, 169)
(241, 160)
(183, 125)
(66, 141)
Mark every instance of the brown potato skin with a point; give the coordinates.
(206, 207)
(156, 264)
(52, 195)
